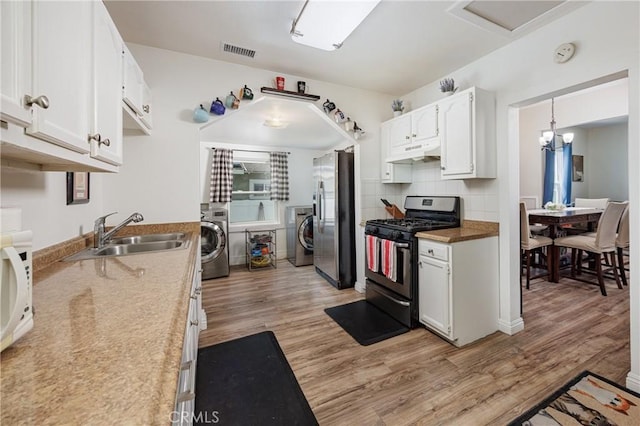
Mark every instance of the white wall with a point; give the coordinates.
(602, 102)
(606, 170)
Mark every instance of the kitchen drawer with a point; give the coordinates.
(433, 250)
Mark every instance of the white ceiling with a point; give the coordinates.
(401, 45)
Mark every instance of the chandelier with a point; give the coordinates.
(548, 138)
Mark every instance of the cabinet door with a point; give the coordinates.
(399, 134)
(15, 52)
(107, 88)
(456, 129)
(424, 123)
(146, 118)
(133, 83)
(61, 44)
(434, 294)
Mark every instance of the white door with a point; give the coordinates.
(106, 129)
(457, 135)
(15, 51)
(61, 41)
(434, 295)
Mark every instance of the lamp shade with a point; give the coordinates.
(326, 24)
(567, 137)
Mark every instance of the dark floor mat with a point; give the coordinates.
(365, 322)
(248, 381)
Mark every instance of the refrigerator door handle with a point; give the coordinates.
(320, 206)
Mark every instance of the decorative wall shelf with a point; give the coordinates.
(289, 94)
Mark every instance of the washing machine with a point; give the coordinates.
(299, 226)
(214, 246)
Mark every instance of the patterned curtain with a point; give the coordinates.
(279, 176)
(221, 176)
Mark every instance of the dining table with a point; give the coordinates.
(556, 220)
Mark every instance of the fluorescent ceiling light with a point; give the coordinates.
(275, 123)
(327, 24)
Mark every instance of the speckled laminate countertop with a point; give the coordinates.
(106, 343)
(470, 230)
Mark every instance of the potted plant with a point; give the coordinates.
(448, 86)
(397, 107)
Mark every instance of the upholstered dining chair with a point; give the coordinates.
(531, 202)
(622, 244)
(604, 241)
(529, 244)
(596, 203)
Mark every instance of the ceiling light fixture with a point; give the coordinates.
(275, 123)
(327, 24)
(548, 138)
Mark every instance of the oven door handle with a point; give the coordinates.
(393, 299)
(402, 245)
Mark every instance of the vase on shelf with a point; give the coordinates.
(397, 113)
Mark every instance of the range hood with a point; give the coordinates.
(426, 151)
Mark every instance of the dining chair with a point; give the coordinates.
(594, 203)
(531, 202)
(622, 244)
(604, 241)
(530, 244)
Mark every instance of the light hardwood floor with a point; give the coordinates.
(418, 378)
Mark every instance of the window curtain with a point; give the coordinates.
(567, 171)
(279, 176)
(221, 176)
(549, 176)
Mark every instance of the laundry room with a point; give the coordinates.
(251, 208)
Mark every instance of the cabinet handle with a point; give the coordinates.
(146, 108)
(105, 142)
(407, 137)
(414, 135)
(443, 168)
(42, 101)
(95, 137)
(194, 322)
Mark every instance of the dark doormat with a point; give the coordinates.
(248, 381)
(586, 399)
(365, 322)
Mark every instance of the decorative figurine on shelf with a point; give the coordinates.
(231, 101)
(328, 106)
(397, 107)
(246, 93)
(339, 116)
(217, 107)
(200, 115)
(357, 131)
(448, 86)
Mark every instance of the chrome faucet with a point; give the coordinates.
(100, 238)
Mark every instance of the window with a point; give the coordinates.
(251, 188)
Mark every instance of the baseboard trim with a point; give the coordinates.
(633, 382)
(360, 287)
(512, 327)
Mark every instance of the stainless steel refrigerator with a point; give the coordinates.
(334, 247)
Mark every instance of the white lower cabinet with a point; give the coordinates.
(196, 320)
(458, 288)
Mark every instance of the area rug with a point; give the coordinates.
(248, 381)
(365, 322)
(588, 399)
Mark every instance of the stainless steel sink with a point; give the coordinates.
(137, 239)
(137, 244)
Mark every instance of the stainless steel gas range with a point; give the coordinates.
(391, 262)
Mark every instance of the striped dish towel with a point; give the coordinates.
(372, 252)
(389, 259)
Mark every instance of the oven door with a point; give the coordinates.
(402, 285)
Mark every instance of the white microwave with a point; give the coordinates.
(16, 311)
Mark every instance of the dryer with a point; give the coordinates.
(214, 247)
(300, 235)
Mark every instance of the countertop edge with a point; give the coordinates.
(470, 230)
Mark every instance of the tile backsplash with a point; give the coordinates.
(479, 196)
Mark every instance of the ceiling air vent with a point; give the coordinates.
(230, 48)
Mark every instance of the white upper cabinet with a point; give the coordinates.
(15, 61)
(61, 86)
(136, 95)
(414, 135)
(424, 123)
(61, 48)
(106, 129)
(467, 135)
(399, 134)
(390, 172)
